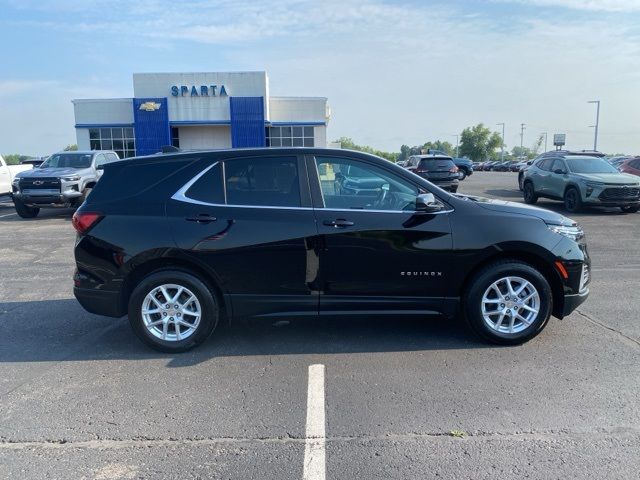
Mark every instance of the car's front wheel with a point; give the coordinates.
(572, 200)
(172, 311)
(529, 193)
(508, 302)
(462, 174)
(520, 182)
(25, 212)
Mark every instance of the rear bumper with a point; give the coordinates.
(100, 302)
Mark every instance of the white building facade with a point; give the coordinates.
(199, 111)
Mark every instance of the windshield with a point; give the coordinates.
(68, 160)
(589, 165)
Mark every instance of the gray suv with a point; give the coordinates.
(581, 180)
(63, 180)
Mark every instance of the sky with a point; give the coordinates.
(395, 72)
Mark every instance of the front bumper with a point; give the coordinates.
(571, 302)
(47, 198)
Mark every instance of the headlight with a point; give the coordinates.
(575, 233)
(15, 181)
(72, 178)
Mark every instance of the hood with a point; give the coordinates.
(547, 216)
(609, 178)
(50, 172)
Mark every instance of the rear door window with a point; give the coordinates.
(263, 181)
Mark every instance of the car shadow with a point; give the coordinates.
(60, 330)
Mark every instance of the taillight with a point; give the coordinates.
(453, 169)
(83, 221)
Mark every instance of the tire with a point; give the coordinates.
(572, 200)
(453, 189)
(529, 193)
(520, 182)
(462, 174)
(630, 208)
(205, 302)
(25, 212)
(490, 327)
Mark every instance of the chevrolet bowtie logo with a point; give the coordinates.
(149, 106)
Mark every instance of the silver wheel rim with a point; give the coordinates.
(510, 305)
(171, 312)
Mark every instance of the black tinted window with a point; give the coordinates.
(263, 181)
(558, 165)
(208, 188)
(545, 164)
(436, 164)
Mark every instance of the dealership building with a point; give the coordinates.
(199, 111)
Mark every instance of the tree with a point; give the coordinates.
(71, 148)
(347, 142)
(479, 142)
(14, 158)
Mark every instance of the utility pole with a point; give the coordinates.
(457, 143)
(521, 136)
(545, 140)
(595, 137)
(502, 143)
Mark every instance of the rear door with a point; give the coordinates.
(377, 255)
(249, 220)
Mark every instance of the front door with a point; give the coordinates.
(250, 221)
(377, 254)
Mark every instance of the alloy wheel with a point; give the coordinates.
(171, 312)
(510, 305)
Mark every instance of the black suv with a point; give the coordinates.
(438, 169)
(181, 241)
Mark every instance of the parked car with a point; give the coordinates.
(182, 242)
(35, 162)
(554, 153)
(465, 167)
(501, 167)
(579, 181)
(63, 180)
(438, 169)
(517, 166)
(7, 175)
(630, 165)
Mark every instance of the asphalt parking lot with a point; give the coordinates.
(80, 397)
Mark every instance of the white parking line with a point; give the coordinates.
(8, 215)
(314, 450)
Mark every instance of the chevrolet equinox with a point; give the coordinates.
(183, 240)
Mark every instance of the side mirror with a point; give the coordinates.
(100, 167)
(427, 203)
(559, 171)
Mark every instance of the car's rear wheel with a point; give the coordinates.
(572, 200)
(25, 212)
(630, 208)
(508, 303)
(529, 193)
(172, 311)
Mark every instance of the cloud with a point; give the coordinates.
(587, 5)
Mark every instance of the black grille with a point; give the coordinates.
(620, 193)
(44, 183)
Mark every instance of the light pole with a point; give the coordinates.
(502, 143)
(595, 137)
(545, 140)
(457, 143)
(522, 125)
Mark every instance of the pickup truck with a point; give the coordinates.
(63, 180)
(7, 174)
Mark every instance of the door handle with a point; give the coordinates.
(339, 223)
(201, 218)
